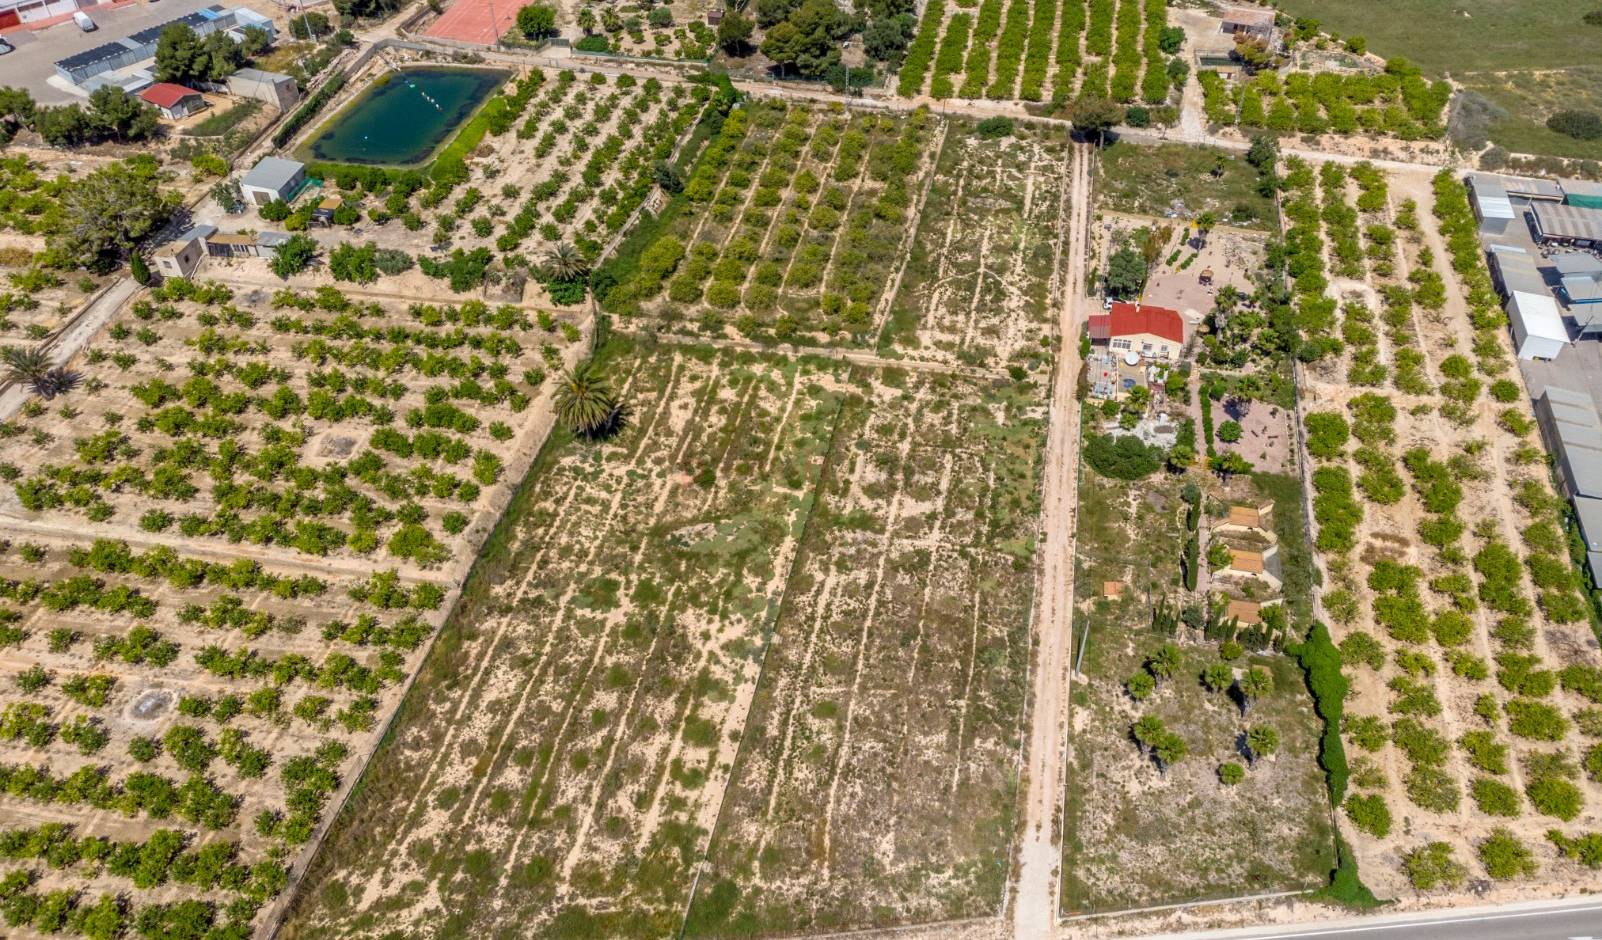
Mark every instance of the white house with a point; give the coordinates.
(272, 178)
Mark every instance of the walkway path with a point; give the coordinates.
(1040, 856)
(73, 337)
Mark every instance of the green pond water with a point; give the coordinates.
(404, 118)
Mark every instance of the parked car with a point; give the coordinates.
(5, 47)
(84, 22)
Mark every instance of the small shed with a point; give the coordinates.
(714, 16)
(1492, 207)
(1538, 330)
(181, 256)
(1582, 193)
(272, 178)
(1112, 590)
(173, 101)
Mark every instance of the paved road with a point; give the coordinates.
(1568, 919)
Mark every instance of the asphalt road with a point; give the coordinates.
(1574, 919)
(33, 61)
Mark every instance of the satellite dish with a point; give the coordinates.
(1132, 358)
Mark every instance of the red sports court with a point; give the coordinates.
(476, 21)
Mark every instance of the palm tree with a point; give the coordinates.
(1164, 662)
(1255, 684)
(585, 403)
(564, 263)
(586, 20)
(1170, 749)
(1261, 741)
(1218, 676)
(31, 367)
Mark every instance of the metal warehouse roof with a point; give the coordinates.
(1491, 197)
(1589, 513)
(1536, 314)
(1577, 262)
(1560, 221)
(1518, 273)
(1580, 188)
(1579, 433)
(1523, 186)
(100, 53)
(272, 173)
(1582, 289)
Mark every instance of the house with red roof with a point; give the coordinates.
(1152, 332)
(174, 101)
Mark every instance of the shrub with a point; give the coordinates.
(992, 128)
(1504, 856)
(1581, 125)
(1123, 457)
(1433, 865)
(1369, 814)
(1327, 434)
(1495, 798)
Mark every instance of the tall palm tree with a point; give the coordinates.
(31, 367)
(564, 263)
(585, 403)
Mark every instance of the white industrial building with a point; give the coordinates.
(1538, 330)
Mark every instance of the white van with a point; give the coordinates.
(84, 22)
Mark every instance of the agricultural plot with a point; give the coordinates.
(877, 778)
(572, 735)
(565, 761)
(1191, 776)
(1158, 179)
(1399, 103)
(1041, 51)
(562, 159)
(174, 724)
(789, 228)
(980, 281)
(1472, 726)
(305, 425)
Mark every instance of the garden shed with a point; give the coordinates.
(1538, 330)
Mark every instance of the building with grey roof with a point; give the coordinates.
(1492, 207)
(1565, 224)
(81, 67)
(275, 88)
(1524, 187)
(1582, 193)
(272, 178)
(1573, 435)
(1588, 513)
(1516, 271)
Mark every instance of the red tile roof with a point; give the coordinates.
(1133, 320)
(166, 94)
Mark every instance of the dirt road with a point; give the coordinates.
(1035, 898)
